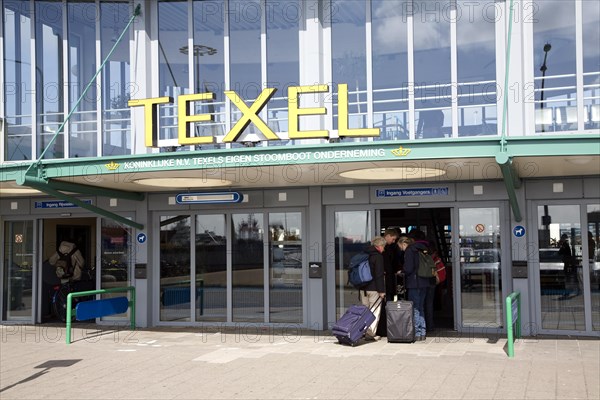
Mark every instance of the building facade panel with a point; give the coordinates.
(227, 158)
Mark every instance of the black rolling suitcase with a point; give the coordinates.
(400, 323)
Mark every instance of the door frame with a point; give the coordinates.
(505, 264)
(534, 262)
(35, 276)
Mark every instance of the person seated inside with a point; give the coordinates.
(430, 124)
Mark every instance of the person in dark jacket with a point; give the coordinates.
(420, 237)
(415, 285)
(374, 290)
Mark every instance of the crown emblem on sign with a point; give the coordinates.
(111, 166)
(400, 152)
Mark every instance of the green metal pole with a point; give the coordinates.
(506, 74)
(69, 313)
(518, 335)
(509, 327)
(132, 309)
(70, 296)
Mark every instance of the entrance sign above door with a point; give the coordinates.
(440, 191)
(209, 198)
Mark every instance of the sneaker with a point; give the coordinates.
(420, 338)
(370, 338)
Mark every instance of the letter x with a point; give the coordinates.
(250, 114)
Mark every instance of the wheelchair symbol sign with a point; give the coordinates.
(519, 231)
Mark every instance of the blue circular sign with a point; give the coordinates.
(519, 231)
(141, 237)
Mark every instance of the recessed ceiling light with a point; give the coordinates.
(393, 173)
(581, 160)
(4, 191)
(183, 182)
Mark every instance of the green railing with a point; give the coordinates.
(95, 292)
(513, 320)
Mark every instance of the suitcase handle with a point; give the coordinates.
(376, 304)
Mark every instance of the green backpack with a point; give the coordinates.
(426, 265)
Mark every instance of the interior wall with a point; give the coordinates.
(49, 244)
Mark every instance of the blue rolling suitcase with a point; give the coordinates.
(351, 327)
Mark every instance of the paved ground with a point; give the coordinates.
(251, 363)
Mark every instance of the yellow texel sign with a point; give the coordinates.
(249, 115)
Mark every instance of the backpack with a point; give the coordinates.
(359, 271)
(64, 265)
(440, 270)
(426, 265)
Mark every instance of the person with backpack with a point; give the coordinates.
(374, 290)
(67, 262)
(416, 285)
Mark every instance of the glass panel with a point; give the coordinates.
(591, 63)
(17, 74)
(81, 17)
(432, 69)
(390, 67)
(244, 25)
(593, 217)
(173, 78)
(211, 268)
(560, 251)
(175, 252)
(209, 75)
(114, 259)
(117, 87)
(476, 59)
(248, 267)
(283, 64)
(480, 268)
(554, 66)
(352, 235)
(18, 270)
(285, 267)
(348, 48)
(49, 86)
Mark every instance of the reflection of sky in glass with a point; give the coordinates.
(17, 59)
(591, 37)
(171, 37)
(49, 37)
(244, 25)
(208, 31)
(432, 42)
(353, 225)
(348, 43)
(390, 61)
(554, 23)
(476, 41)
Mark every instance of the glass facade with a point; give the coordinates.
(415, 69)
(352, 235)
(480, 267)
(560, 267)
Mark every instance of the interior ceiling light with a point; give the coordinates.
(393, 173)
(183, 183)
(5, 190)
(581, 160)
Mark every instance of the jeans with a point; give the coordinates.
(417, 296)
(429, 308)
